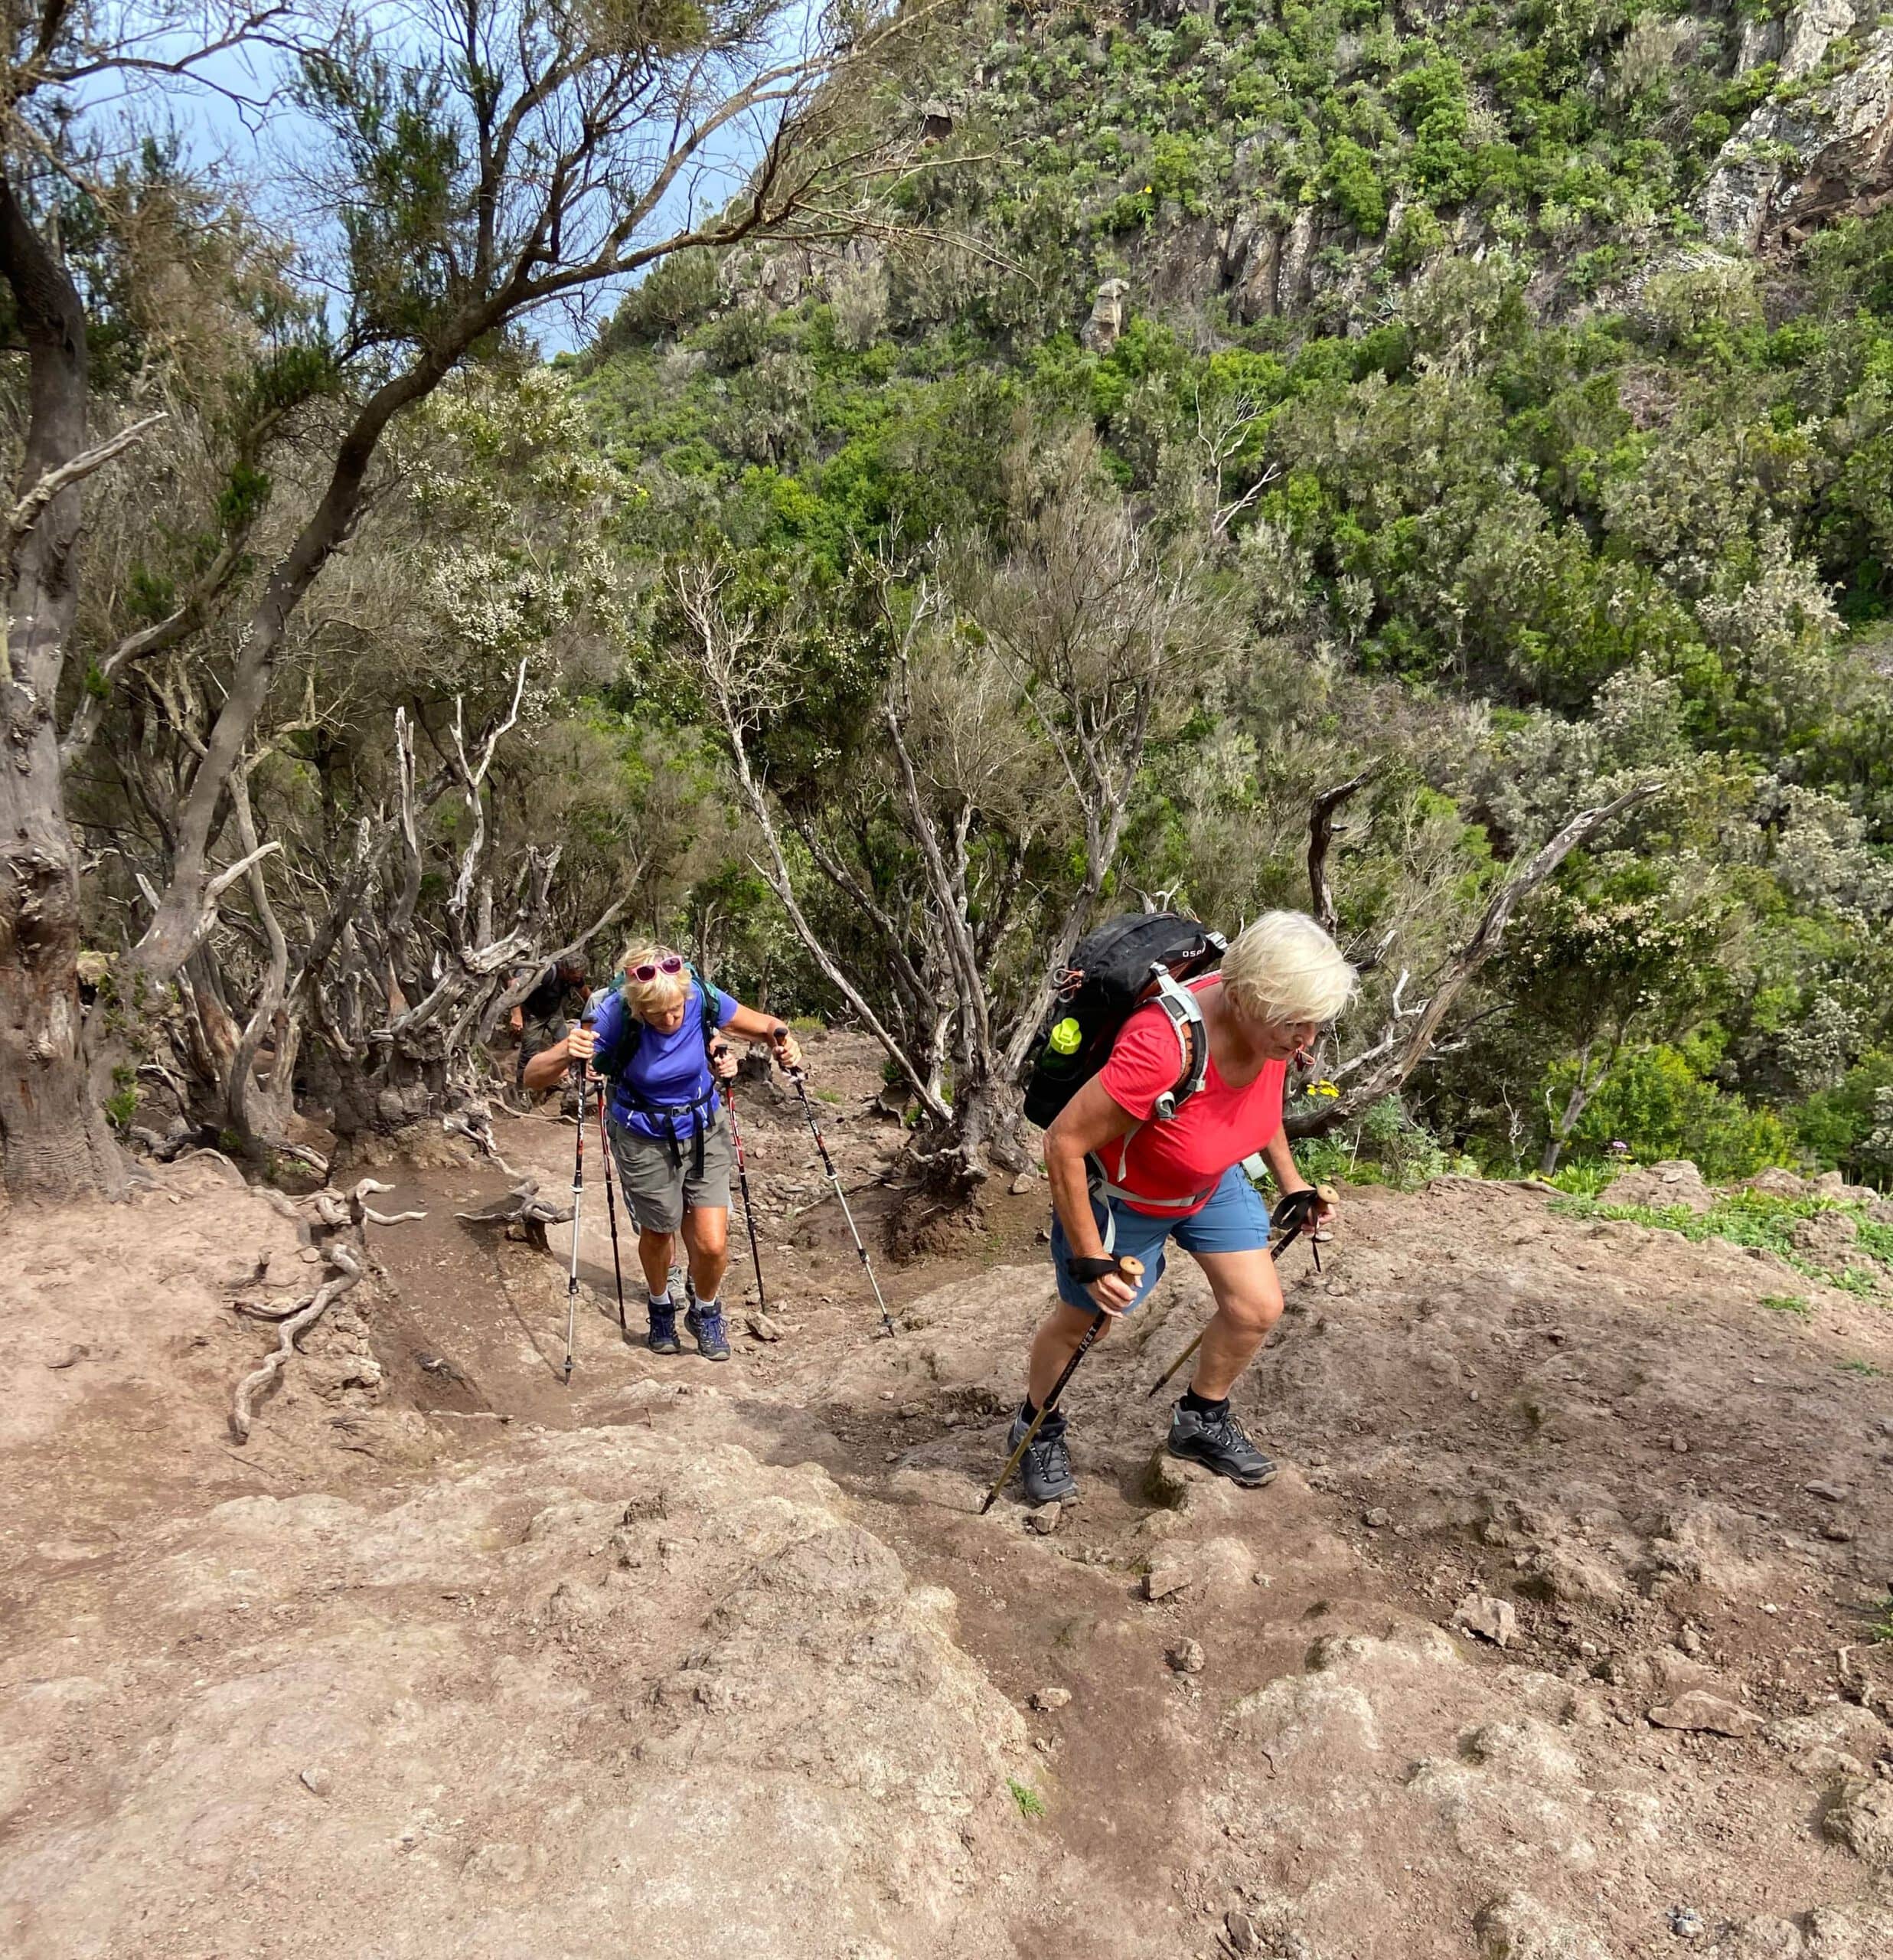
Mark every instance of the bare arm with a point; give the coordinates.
(1089, 1122)
(546, 1067)
(766, 1027)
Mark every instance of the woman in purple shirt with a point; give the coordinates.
(656, 1040)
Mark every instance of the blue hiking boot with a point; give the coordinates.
(705, 1325)
(662, 1338)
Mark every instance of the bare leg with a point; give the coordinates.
(706, 1234)
(1054, 1344)
(653, 1255)
(1249, 1303)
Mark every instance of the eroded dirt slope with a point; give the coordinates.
(1551, 1638)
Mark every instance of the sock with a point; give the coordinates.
(1027, 1410)
(1198, 1406)
(660, 1302)
(707, 1307)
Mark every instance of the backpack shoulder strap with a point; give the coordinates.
(706, 1004)
(624, 1045)
(1193, 1043)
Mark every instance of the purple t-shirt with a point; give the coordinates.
(670, 1069)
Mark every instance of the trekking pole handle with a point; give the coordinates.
(580, 1065)
(1295, 1210)
(1085, 1270)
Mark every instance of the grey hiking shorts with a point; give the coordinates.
(658, 1191)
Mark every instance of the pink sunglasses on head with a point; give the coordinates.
(670, 963)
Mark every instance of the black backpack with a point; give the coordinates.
(1126, 963)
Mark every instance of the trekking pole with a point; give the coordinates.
(1129, 1270)
(749, 1210)
(611, 1206)
(835, 1177)
(1295, 1215)
(578, 1193)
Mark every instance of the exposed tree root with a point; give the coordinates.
(349, 1275)
(526, 1208)
(255, 1310)
(342, 1213)
(476, 1125)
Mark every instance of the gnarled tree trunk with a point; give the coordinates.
(56, 1143)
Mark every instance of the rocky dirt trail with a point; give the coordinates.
(1551, 1640)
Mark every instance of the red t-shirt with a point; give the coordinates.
(1217, 1127)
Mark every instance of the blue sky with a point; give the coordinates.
(242, 121)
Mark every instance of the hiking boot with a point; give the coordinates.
(1045, 1470)
(1221, 1442)
(662, 1338)
(705, 1325)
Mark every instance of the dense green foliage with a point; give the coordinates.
(1535, 493)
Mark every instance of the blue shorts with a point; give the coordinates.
(1234, 1220)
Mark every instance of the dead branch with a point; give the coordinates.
(1321, 830)
(26, 513)
(740, 677)
(1402, 1048)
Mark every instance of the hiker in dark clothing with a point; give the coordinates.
(656, 1040)
(543, 1016)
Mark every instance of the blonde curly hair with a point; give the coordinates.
(661, 992)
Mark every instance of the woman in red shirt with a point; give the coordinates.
(1123, 1184)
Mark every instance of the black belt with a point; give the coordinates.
(696, 1110)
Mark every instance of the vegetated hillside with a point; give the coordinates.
(1526, 369)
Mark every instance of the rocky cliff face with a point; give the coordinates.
(1262, 162)
(1820, 147)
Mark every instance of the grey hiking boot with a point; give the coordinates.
(1221, 1442)
(1046, 1469)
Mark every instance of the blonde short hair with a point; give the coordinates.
(1284, 969)
(658, 994)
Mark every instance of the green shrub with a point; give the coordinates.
(1353, 185)
(1658, 1104)
(1837, 1127)
(1416, 238)
(676, 292)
